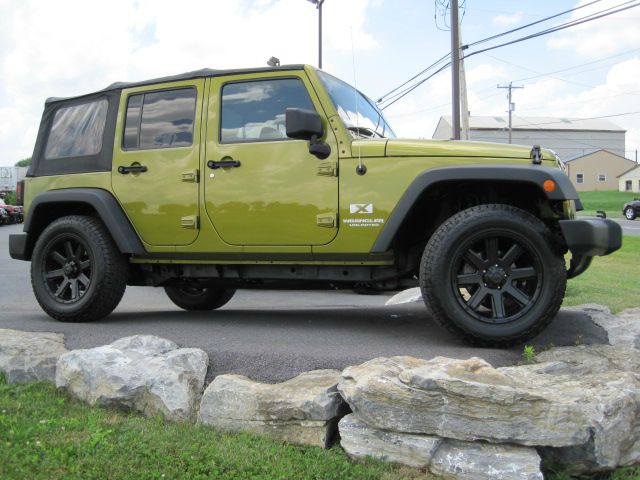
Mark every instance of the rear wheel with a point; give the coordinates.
(77, 272)
(630, 213)
(195, 298)
(491, 275)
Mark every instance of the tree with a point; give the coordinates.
(25, 162)
(10, 198)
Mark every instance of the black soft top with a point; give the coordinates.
(202, 73)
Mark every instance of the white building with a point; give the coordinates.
(629, 181)
(10, 176)
(568, 137)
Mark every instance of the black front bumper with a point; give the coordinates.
(591, 237)
(18, 246)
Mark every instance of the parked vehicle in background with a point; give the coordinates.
(15, 212)
(631, 209)
(4, 216)
(286, 177)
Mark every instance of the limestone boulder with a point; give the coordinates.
(446, 458)
(30, 356)
(303, 410)
(481, 461)
(360, 440)
(145, 373)
(460, 399)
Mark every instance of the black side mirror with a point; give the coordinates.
(303, 124)
(307, 125)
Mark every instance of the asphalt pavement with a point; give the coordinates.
(272, 335)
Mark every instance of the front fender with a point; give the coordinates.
(531, 174)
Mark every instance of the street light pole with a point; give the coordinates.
(318, 4)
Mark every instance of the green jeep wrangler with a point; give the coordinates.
(288, 178)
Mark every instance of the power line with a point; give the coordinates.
(412, 88)
(434, 64)
(550, 74)
(493, 37)
(588, 18)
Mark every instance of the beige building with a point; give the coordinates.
(629, 181)
(597, 170)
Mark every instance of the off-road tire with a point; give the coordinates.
(630, 213)
(77, 272)
(199, 298)
(454, 277)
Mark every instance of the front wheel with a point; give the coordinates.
(198, 298)
(491, 275)
(630, 213)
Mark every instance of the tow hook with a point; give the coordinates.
(578, 265)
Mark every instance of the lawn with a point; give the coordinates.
(612, 280)
(610, 201)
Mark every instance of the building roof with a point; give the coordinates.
(203, 73)
(629, 171)
(583, 155)
(539, 123)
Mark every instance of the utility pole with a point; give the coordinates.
(464, 104)
(455, 69)
(512, 106)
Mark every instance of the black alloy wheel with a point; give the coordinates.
(67, 269)
(497, 277)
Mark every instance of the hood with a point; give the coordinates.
(384, 147)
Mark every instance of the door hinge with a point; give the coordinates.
(329, 220)
(193, 176)
(328, 169)
(190, 221)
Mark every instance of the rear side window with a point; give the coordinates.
(77, 131)
(160, 119)
(254, 111)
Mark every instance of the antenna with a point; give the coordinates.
(360, 169)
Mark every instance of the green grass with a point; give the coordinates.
(612, 280)
(44, 434)
(610, 201)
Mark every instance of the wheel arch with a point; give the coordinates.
(51, 205)
(438, 193)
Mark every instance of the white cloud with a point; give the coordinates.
(485, 71)
(505, 20)
(600, 37)
(70, 47)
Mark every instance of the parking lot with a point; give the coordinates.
(271, 335)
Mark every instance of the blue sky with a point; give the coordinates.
(70, 47)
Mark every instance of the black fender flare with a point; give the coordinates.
(105, 205)
(531, 174)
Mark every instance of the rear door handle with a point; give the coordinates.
(223, 163)
(132, 169)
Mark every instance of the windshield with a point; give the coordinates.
(359, 114)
